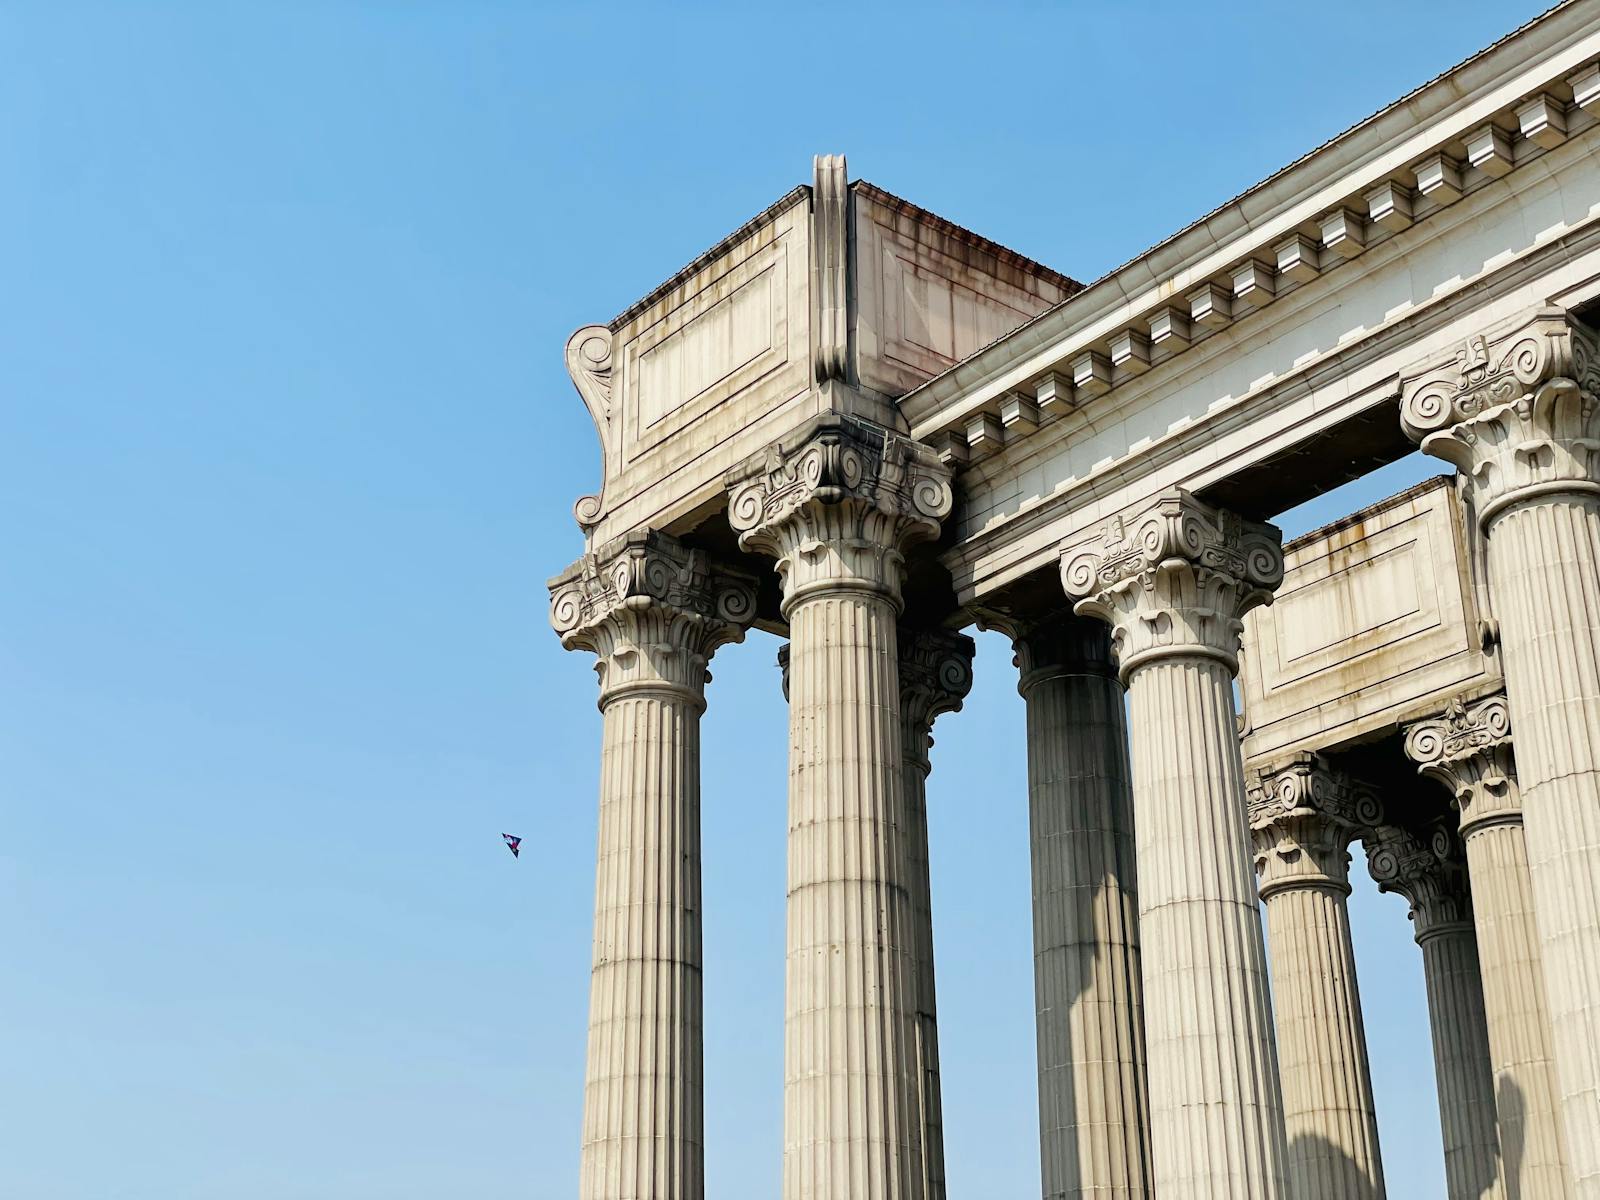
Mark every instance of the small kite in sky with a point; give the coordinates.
(514, 844)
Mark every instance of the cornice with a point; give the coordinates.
(1219, 421)
(1463, 131)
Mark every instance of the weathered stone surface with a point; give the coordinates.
(653, 612)
(837, 506)
(1431, 874)
(1094, 1105)
(1518, 412)
(1303, 816)
(1174, 581)
(1467, 749)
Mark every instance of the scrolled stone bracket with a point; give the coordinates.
(1516, 411)
(1468, 749)
(653, 611)
(838, 505)
(1304, 813)
(1176, 580)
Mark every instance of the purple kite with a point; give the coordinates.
(514, 844)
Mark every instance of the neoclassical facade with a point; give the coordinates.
(863, 428)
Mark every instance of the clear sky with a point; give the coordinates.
(287, 454)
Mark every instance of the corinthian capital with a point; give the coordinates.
(1516, 412)
(1468, 750)
(653, 611)
(935, 677)
(1429, 871)
(1303, 816)
(1175, 580)
(839, 505)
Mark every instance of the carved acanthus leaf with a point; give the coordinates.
(1303, 815)
(1468, 750)
(1517, 412)
(839, 504)
(653, 610)
(1176, 579)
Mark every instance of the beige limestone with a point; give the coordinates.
(1376, 622)
(1430, 874)
(1173, 582)
(837, 506)
(1468, 750)
(1518, 413)
(653, 613)
(1303, 816)
(1094, 1118)
(935, 675)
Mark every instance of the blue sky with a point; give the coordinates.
(288, 452)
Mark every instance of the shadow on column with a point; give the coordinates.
(1513, 1110)
(1310, 1147)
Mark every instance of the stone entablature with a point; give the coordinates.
(1392, 171)
(838, 298)
(1377, 623)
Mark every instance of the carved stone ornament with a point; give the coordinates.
(1518, 413)
(935, 677)
(653, 611)
(1303, 816)
(1468, 750)
(1429, 871)
(1175, 580)
(838, 505)
(589, 365)
(830, 265)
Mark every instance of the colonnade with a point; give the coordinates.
(1167, 1067)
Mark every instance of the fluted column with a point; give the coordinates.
(1094, 1104)
(1174, 582)
(935, 676)
(653, 612)
(837, 506)
(1468, 750)
(1429, 872)
(1303, 815)
(1518, 413)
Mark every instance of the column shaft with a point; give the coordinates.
(642, 1121)
(1303, 814)
(1094, 1131)
(850, 1025)
(837, 507)
(653, 612)
(935, 675)
(1461, 1063)
(1527, 1096)
(1517, 410)
(1329, 1114)
(1544, 560)
(1215, 1108)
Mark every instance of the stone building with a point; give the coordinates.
(864, 428)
